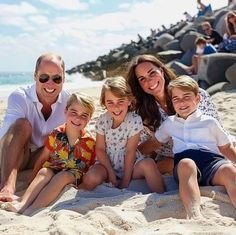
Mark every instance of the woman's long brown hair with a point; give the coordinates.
(146, 105)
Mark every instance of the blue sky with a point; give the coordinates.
(80, 30)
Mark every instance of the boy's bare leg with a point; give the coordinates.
(51, 191)
(94, 177)
(188, 188)
(39, 182)
(147, 169)
(12, 156)
(226, 176)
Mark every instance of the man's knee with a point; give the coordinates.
(22, 127)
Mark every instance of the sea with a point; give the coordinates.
(9, 81)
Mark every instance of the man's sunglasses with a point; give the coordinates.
(45, 77)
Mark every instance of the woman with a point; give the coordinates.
(229, 42)
(231, 25)
(148, 78)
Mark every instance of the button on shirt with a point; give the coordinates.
(198, 131)
(24, 103)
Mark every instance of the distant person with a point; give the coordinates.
(68, 153)
(31, 114)
(229, 42)
(204, 10)
(231, 25)
(202, 48)
(188, 17)
(117, 137)
(199, 146)
(213, 36)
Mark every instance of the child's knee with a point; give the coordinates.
(147, 164)
(45, 172)
(187, 166)
(91, 181)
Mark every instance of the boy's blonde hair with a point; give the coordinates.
(185, 83)
(83, 99)
(119, 88)
(200, 40)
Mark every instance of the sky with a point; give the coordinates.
(80, 30)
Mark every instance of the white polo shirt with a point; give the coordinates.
(198, 131)
(24, 103)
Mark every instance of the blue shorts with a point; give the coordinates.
(207, 164)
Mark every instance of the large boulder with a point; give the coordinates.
(220, 26)
(230, 75)
(188, 41)
(212, 67)
(186, 59)
(167, 56)
(172, 45)
(163, 40)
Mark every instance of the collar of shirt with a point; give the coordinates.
(192, 116)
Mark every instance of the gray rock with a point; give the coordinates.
(186, 59)
(212, 67)
(230, 75)
(188, 41)
(178, 68)
(221, 86)
(172, 45)
(163, 39)
(220, 26)
(167, 56)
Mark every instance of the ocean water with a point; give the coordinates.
(11, 81)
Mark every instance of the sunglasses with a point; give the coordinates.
(43, 78)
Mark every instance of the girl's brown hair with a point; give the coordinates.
(119, 88)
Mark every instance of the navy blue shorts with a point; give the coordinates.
(207, 164)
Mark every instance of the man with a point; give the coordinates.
(31, 114)
(213, 36)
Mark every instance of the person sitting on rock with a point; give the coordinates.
(229, 42)
(213, 36)
(202, 48)
(204, 10)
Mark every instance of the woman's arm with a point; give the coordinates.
(129, 160)
(103, 158)
(206, 105)
(149, 146)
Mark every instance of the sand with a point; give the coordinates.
(107, 210)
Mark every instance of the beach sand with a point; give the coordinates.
(112, 211)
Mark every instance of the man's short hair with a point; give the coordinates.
(50, 57)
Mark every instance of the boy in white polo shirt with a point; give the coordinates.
(199, 146)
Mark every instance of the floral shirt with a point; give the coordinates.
(77, 158)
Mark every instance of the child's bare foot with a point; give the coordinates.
(194, 213)
(14, 206)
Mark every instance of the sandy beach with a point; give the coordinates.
(131, 211)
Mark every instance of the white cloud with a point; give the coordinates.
(79, 37)
(124, 5)
(38, 19)
(66, 4)
(23, 8)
